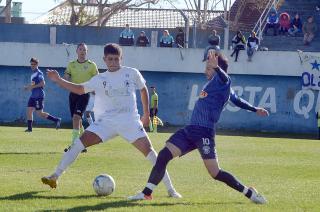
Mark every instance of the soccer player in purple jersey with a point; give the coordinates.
(36, 100)
(200, 134)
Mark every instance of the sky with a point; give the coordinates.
(32, 9)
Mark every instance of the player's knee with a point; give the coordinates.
(214, 173)
(76, 117)
(164, 157)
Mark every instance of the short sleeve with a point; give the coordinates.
(68, 70)
(40, 77)
(94, 70)
(91, 85)
(140, 82)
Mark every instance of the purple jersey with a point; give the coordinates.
(212, 100)
(36, 78)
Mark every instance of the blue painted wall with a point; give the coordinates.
(33, 33)
(174, 90)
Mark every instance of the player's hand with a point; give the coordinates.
(145, 119)
(212, 61)
(53, 75)
(28, 87)
(262, 112)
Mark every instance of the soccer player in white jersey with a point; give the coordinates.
(115, 110)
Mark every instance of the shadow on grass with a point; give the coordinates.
(126, 204)
(30, 153)
(34, 195)
(113, 202)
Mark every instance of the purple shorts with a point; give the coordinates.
(195, 137)
(36, 103)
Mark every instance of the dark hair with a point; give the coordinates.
(34, 60)
(81, 44)
(112, 48)
(223, 63)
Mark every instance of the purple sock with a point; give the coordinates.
(52, 118)
(30, 125)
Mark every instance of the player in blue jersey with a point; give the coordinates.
(36, 100)
(200, 134)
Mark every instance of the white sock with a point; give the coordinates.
(69, 157)
(245, 190)
(151, 186)
(152, 157)
(89, 119)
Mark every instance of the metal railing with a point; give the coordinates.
(261, 23)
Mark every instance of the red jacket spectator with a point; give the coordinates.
(284, 22)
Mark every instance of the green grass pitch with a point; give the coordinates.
(285, 171)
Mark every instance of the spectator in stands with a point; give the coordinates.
(180, 38)
(238, 43)
(126, 37)
(296, 25)
(166, 39)
(272, 22)
(252, 45)
(214, 41)
(309, 29)
(142, 40)
(284, 22)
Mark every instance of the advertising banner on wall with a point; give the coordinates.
(310, 74)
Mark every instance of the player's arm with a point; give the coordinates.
(243, 104)
(74, 88)
(39, 85)
(145, 105)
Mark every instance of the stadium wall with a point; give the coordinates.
(271, 81)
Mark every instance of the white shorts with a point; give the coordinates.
(130, 130)
(90, 103)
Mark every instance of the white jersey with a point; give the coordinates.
(116, 93)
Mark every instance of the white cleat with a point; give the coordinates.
(256, 197)
(174, 194)
(140, 196)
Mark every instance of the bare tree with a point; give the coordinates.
(106, 9)
(202, 7)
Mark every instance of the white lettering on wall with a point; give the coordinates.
(304, 109)
(270, 94)
(304, 102)
(193, 97)
(239, 91)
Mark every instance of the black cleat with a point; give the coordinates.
(27, 130)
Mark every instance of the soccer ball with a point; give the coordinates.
(103, 185)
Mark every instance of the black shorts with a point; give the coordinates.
(78, 103)
(195, 137)
(36, 103)
(153, 114)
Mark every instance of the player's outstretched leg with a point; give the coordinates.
(67, 159)
(156, 175)
(87, 139)
(46, 115)
(226, 177)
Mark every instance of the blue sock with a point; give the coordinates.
(30, 125)
(52, 118)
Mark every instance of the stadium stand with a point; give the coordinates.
(305, 9)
